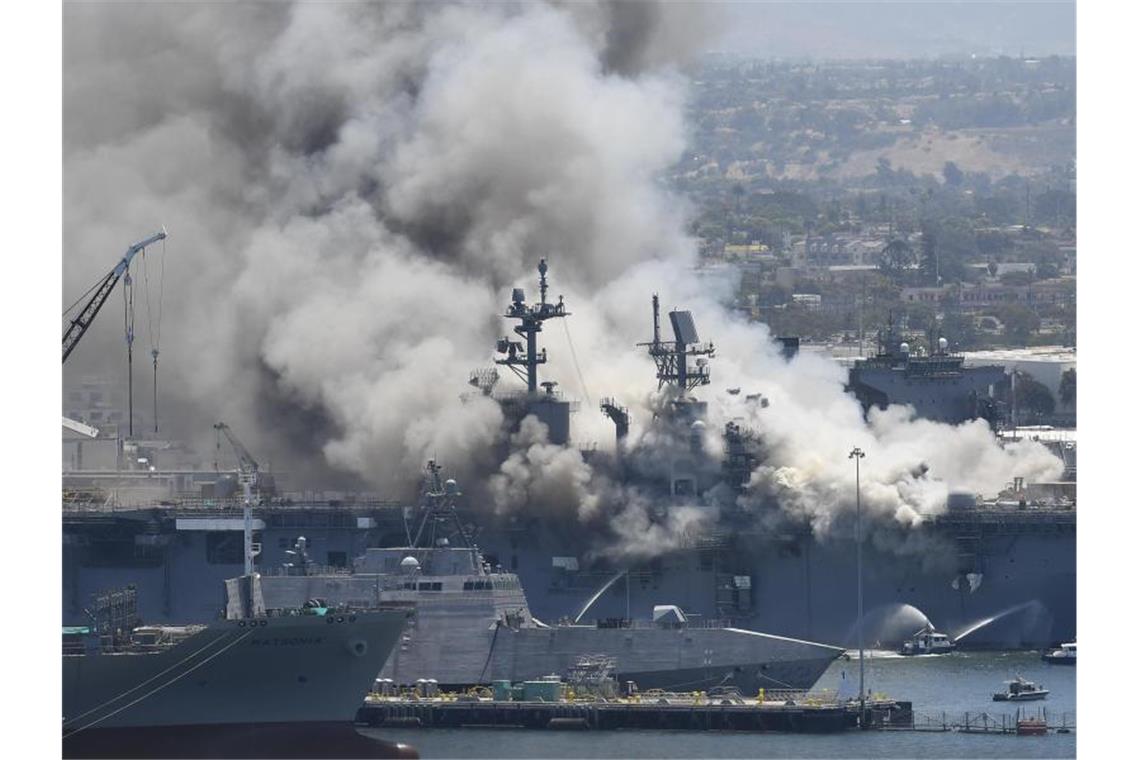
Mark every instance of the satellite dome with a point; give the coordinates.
(451, 486)
(409, 564)
(904, 347)
(698, 425)
(943, 344)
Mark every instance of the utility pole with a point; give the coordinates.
(857, 454)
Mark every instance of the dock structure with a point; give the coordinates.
(726, 715)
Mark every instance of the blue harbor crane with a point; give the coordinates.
(99, 293)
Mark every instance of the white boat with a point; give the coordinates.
(1020, 690)
(927, 641)
(1066, 655)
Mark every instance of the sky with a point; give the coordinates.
(907, 29)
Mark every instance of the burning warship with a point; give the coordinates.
(760, 571)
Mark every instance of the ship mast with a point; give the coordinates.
(439, 510)
(672, 359)
(524, 363)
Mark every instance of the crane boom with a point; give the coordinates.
(247, 475)
(91, 309)
(246, 463)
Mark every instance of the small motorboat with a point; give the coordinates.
(1020, 690)
(1066, 655)
(927, 641)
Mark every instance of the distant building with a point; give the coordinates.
(808, 300)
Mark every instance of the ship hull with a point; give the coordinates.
(302, 670)
(461, 635)
(800, 586)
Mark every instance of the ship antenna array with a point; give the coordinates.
(524, 361)
(439, 508)
(672, 359)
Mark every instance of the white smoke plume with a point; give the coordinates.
(351, 190)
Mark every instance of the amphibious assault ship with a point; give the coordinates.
(935, 383)
(473, 624)
(1003, 570)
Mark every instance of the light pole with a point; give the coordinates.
(857, 454)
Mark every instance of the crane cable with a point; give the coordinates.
(154, 327)
(86, 293)
(129, 330)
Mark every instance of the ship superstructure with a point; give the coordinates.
(523, 359)
(473, 624)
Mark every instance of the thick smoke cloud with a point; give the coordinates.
(352, 190)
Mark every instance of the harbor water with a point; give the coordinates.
(949, 685)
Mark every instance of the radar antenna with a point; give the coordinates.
(672, 359)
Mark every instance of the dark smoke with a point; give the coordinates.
(352, 189)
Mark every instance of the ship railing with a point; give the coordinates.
(689, 624)
(198, 504)
(382, 582)
(277, 571)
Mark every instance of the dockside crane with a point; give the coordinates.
(102, 290)
(99, 292)
(250, 478)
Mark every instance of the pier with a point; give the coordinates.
(648, 712)
(697, 712)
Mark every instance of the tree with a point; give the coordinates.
(1032, 397)
(1068, 390)
(952, 174)
(896, 259)
(928, 259)
(1019, 321)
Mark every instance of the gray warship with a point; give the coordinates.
(1009, 563)
(935, 383)
(275, 683)
(473, 624)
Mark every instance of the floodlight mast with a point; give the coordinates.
(857, 454)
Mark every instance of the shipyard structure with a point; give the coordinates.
(996, 573)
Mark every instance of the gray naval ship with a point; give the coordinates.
(283, 683)
(473, 624)
(1007, 563)
(935, 383)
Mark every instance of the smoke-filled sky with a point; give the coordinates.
(352, 190)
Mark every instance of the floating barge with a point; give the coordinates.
(693, 715)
